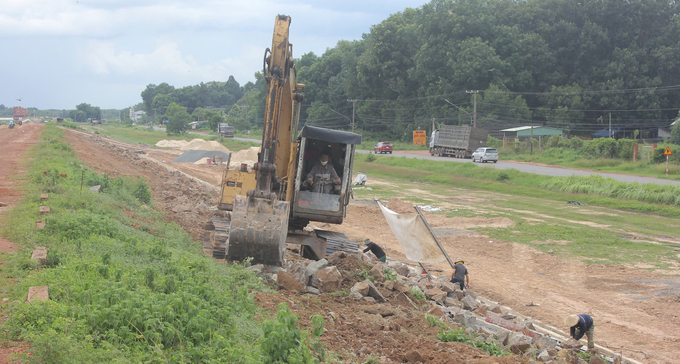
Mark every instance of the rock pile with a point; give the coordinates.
(392, 287)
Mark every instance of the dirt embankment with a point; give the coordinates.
(635, 311)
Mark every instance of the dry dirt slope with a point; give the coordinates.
(647, 329)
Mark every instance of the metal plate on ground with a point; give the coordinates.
(337, 242)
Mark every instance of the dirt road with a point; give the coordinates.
(14, 144)
(634, 309)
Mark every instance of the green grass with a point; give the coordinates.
(138, 134)
(468, 175)
(125, 285)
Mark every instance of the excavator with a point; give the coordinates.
(268, 205)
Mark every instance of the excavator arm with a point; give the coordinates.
(259, 222)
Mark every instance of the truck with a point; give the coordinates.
(225, 131)
(457, 141)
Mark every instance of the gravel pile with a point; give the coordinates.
(192, 156)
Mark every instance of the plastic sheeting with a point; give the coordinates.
(413, 236)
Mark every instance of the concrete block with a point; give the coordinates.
(40, 254)
(39, 225)
(44, 196)
(44, 210)
(39, 293)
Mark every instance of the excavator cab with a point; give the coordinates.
(329, 205)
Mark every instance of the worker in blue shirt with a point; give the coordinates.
(580, 325)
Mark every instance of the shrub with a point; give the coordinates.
(502, 177)
(370, 157)
(142, 192)
(417, 294)
(553, 141)
(493, 142)
(284, 342)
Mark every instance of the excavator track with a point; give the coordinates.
(217, 236)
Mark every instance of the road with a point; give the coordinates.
(522, 167)
(538, 169)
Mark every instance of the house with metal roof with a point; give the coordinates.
(527, 131)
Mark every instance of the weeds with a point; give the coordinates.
(417, 294)
(461, 336)
(284, 342)
(362, 274)
(390, 274)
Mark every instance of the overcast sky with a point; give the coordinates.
(59, 53)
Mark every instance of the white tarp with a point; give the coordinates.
(413, 236)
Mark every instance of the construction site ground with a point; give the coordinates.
(635, 306)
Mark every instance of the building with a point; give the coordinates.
(136, 115)
(523, 132)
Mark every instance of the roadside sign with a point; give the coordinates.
(419, 137)
(667, 151)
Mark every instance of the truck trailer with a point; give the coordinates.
(457, 141)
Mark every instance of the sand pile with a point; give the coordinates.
(202, 144)
(248, 156)
(175, 144)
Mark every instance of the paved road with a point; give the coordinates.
(542, 170)
(522, 167)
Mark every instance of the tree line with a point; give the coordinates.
(564, 63)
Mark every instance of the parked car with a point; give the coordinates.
(383, 147)
(485, 154)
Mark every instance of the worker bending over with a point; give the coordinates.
(375, 249)
(579, 325)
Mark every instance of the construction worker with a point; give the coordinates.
(460, 274)
(322, 176)
(375, 249)
(580, 325)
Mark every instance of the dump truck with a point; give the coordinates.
(225, 131)
(457, 141)
(267, 205)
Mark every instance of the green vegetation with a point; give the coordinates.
(447, 334)
(461, 336)
(126, 286)
(362, 274)
(390, 275)
(417, 294)
(517, 183)
(284, 342)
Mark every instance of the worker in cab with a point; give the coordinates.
(580, 325)
(322, 176)
(376, 250)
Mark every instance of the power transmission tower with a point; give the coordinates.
(475, 92)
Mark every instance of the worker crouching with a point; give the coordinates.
(580, 325)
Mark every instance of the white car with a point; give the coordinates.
(485, 154)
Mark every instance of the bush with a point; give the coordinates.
(142, 192)
(553, 141)
(493, 142)
(370, 157)
(601, 148)
(284, 342)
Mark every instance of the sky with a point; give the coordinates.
(60, 53)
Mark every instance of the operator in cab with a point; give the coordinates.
(322, 176)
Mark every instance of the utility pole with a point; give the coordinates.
(610, 125)
(155, 116)
(475, 92)
(531, 141)
(354, 102)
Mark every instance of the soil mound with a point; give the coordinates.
(400, 206)
(202, 144)
(175, 144)
(248, 156)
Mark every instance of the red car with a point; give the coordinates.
(383, 147)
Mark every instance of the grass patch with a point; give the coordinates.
(468, 175)
(125, 285)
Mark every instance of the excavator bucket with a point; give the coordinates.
(258, 229)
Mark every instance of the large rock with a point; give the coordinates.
(377, 273)
(544, 357)
(413, 356)
(450, 302)
(502, 336)
(436, 311)
(435, 294)
(519, 343)
(374, 292)
(596, 359)
(361, 288)
(289, 282)
(299, 271)
(312, 290)
(378, 309)
(449, 287)
(327, 279)
(403, 300)
(403, 270)
(334, 258)
(389, 284)
(543, 342)
(466, 319)
(313, 267)
(571, 344)
(459, 295)
(473, 294)
(469, 303)
(401, 287)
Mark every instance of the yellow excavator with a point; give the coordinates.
(267, 205)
